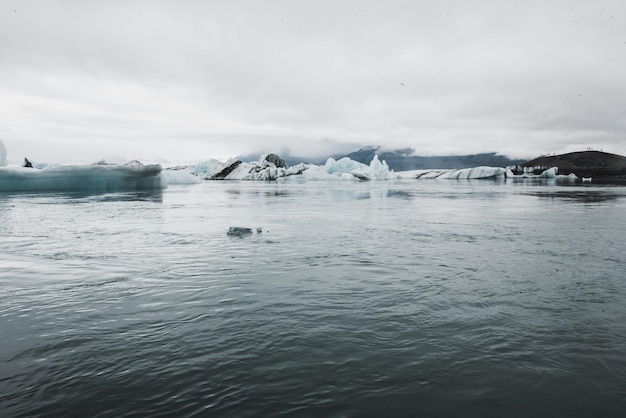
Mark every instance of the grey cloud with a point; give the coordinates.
(234, 77)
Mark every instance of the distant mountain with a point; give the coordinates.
(403, 159)
(596, 164)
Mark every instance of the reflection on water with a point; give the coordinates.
(95, 196)
(578, 195)
(400, 194)
(134, 196)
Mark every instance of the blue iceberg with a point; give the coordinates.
(99, 177)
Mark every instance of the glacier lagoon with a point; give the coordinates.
(383, 298)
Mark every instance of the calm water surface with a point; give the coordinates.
(407, 298)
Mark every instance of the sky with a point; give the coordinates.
(186, 81)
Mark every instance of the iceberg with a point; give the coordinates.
(550, 173)
(474, 173)
(99, 177)
(271, 167)
(179, 175)
(353, 169)
(238, 231)
(348, 169)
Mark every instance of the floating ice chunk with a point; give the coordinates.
(208, 169)
(297, 169)
(268, 171)
(269, 167)
(265, 173)
(475, 173)
(550, 173)
(238, 231)
(420, 174)
(99, 177)
(343, 165)
(179, 175)
(273, 159)
(377, 170)
(316, 172)
(331, 170)
(432, 174)
(233, 170)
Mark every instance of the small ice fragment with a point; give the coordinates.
(237, 231)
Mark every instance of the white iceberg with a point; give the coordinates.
(99, 177)
(550, 173)
(474, 173)
(348, 169)
(179, 175)
(266, 169)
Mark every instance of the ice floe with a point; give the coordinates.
(99, 177)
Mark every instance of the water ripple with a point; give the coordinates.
(385, 300)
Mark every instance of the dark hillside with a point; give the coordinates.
(596, 164)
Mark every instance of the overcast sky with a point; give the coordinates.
(191, 80)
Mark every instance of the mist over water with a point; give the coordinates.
(388, 298)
